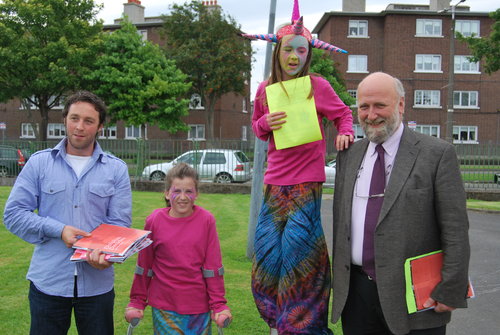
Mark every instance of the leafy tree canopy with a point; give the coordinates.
(205, 45)
(138, 83)
(45, 47)
(487, 48)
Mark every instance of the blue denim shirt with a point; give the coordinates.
(47, 196)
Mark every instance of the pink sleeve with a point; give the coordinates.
(329, 105)
(143, 272)
(259, 123)
(213, 262)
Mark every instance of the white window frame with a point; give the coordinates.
(27, 130)
(143, 33)
(354, 94)
(108, 132)
(357, 64)
(196, 98)
(244, 133)
(244, 106)
(471, 134)
(427, 99)
(471, 96)
(436, 26)
(56, 130)
(358, 29)
(198, 130)
(59, 106)
(133, 132)
(468, 27)
(428, 63)
(463, 65)
(429, 129)
(359, 133)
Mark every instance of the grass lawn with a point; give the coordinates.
(231, 212)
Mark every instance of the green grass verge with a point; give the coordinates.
(231, 212)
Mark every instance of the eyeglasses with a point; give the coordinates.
(370, 196)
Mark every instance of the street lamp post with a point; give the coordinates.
(451, 75)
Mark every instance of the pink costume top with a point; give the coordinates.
(185, 263)
(304, 163)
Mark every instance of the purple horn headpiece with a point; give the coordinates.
(297, 28)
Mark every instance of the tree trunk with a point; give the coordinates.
(210, 118)
(44, 113)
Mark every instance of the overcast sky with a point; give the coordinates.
(253, 16)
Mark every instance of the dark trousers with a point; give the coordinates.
(362, 314)
(51, 315)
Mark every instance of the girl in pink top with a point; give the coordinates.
(180, 274)
(291, 268)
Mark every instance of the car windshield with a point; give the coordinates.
(242, 158)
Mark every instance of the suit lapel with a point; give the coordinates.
(403, 164)
(357, 152)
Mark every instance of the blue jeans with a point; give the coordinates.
(51, 315)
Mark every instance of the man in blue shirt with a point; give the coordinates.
(61, 194)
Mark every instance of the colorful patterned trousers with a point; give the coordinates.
(291, 269)
(172, 323)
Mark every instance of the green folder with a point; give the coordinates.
(302, 125)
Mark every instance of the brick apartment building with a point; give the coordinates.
(412, 42)
(232, 115)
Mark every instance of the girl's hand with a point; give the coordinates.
(275, 120)
(223, 318)
(342, 142)
(133, 313)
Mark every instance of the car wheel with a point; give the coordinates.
(223, 178)
(157, 176)
(3, 171)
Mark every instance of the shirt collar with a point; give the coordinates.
(60, 149)
(390, 145)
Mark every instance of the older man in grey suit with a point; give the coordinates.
(418, 208)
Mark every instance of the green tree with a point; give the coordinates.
(139, 84)
(45, 48)
(487, 48)
(205, 46)
(322, 64)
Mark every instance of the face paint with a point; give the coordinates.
(188, 192)
(293, 55)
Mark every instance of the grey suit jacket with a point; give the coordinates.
(424, 210)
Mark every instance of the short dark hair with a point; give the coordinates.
(91, 98)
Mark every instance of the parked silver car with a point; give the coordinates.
(330, 170)
(217, 165)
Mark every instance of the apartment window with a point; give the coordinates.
(467, 27)
(143, 34)
(358, 28)
(244, 106)
(465, 99)
(354, 94)
(427, 98)
(244, 133)
(428, 63)
(133, 132)
(432, 130)
(357, 63)
(108, 133)
(358, 132)
(27, 130)
(429, 28)
(195, 102)
(56, 130)
(59, 104)
(196, 132)
(465, 134)
(463, 65)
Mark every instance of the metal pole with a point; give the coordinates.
(451, 77)
(259, 152)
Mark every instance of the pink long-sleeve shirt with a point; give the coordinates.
(181, 248)
(303, 163)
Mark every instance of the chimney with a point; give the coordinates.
(134, 10)
(437, 5)
(354, 6)
(210, 4)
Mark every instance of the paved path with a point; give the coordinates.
(483, 315)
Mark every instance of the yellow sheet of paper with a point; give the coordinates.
(302, 124)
